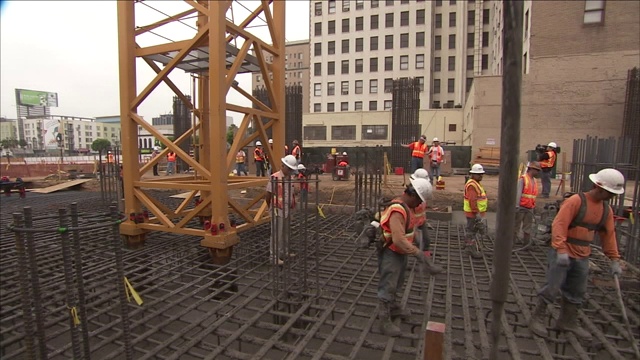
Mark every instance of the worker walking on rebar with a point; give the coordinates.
(397, 242)
(435, 154)
(420, 224)
(568, 259)
(418, 149)
(526, 201)
(280, 197)
(547, 163)
(304, 186)
(258, 156)
(241, 167)
(475, 208)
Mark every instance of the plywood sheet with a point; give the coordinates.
(61, 186)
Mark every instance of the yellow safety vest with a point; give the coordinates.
(481, 199)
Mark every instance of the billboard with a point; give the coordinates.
(37, 98)
(50, 132)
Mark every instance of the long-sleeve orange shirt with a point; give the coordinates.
(472, 194)
(560, 229)
(397, 226)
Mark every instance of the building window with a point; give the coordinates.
(388, 85)
(345, 67)
(331, 107)
(359, 4)
(315, 132)
(404, 62)
(345, 26)
(469, 83)
(388, 20)
(452, 19)
(485, 39)
(373, 86)
(485, 62)
(388, 41)
(388, 104)
(452, 63)
(317, 89)
(404, 2)
(471, 17)
(373, 105)
(471, 40)
(332, 47)
(437, 64)
(438, 2)
(317, 29)
(452, 41)
(438, 21)
(343, 132)
(331, 68)
(317, 49)
(331, 88)
(435, 105)
(317, 107)
(359, 85)
(344, 106)
(420, 61)
(344, 87)
(453, 127)
(404, 40)
(373, 64)
(436, 86)
(420, 83)
(388, 63)
(373, 43)
(388, 2)
(375, 132)
(332, 27)
(357, 106)
(359, 45)
(346, 5)
(420, 38)
(452, 2)
(317, 69)
(485, 16)
(451, 85)
(332, 6)
(359, 65)
(437, 43)
(345, 46)
(374, 4)
(404, 18)
(318, 8)
(420, 17)
(469, 62)
(359, 23)
(374, 22)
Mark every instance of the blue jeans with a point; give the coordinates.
(570, 280)
(416, 163)
(171, 167)
(391, 267)
(545, 179)
(435, 171)
(241, 168)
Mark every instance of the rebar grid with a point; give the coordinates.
(195, 310)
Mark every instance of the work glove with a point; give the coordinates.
(615, 268)
(423, 256)
(366, 237)
(563, 260)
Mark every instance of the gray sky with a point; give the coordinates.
(72, 48)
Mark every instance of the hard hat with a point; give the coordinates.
(423, 138)
(476, 169)
(344, 153)
(295, 142)
(270, 141)
(553, 145)
(301, 167)
(436, 140)
(422, 187)
(534, 165)
(258, 143)
(420, 174)
(611, 180)
(290, 161)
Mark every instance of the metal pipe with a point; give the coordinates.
(509, 153)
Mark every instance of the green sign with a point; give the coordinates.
(37, 98)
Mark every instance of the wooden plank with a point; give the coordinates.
(61, 186)
(434, 341)
(184, 195)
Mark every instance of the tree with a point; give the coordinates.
(100, 145)
(8, 143)
(231, 132)
(22, 143)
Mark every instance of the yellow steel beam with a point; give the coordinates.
(233, 71)
(254, 14)
(146, 201)
(251, 98)
(200, 8)
(239, 142)
(143, 29)
(162, 48)
(205, 202)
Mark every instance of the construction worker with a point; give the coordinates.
(241, 167)
(171, 163)
(547, 162)
(475, 208)
(435, 154)
(267, 162)
(397, 242)
(280, 197)
(304, 186)
(258, 156)
(419, 148)
(154, 154)
(111, 160)
(296, 151)
(568, 260)
(420, 223)
(526, 200)
(343, 162)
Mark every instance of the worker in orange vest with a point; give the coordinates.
(526, 200)
(419, 148)
(171, 163)
(296, 151)
(241, 167)
(475, 208)
(436, 153)
(547, 162)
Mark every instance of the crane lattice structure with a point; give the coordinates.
(221, 49)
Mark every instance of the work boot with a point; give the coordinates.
(472, 250)
(538, 319)
(387, 327)
(568, 321)
(432, 268)
(398, 311)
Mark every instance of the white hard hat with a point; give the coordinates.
(422, 187)
(553, 145)
(436, 139)
(344, 153)
(476, 169)
(611, 180)
(156, 148)
(420, 174)
(301, 167)
(270, 141)
(258, 143)
(290, 161)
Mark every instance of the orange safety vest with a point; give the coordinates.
(296, 152)
(437, 154)
(343, 163)
(550, 162)
(420, 215)
(386, 229)
(304, 184)
(419, 150)
(240, 157)
(529, 192)
(278, 199)
(110, 158)
(258, 155)
(171, 157)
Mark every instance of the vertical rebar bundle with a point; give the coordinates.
(405, 125)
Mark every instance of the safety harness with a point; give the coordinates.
(578, 221)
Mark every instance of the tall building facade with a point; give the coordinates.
(77, 133)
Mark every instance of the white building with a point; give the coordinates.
(77, 133)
